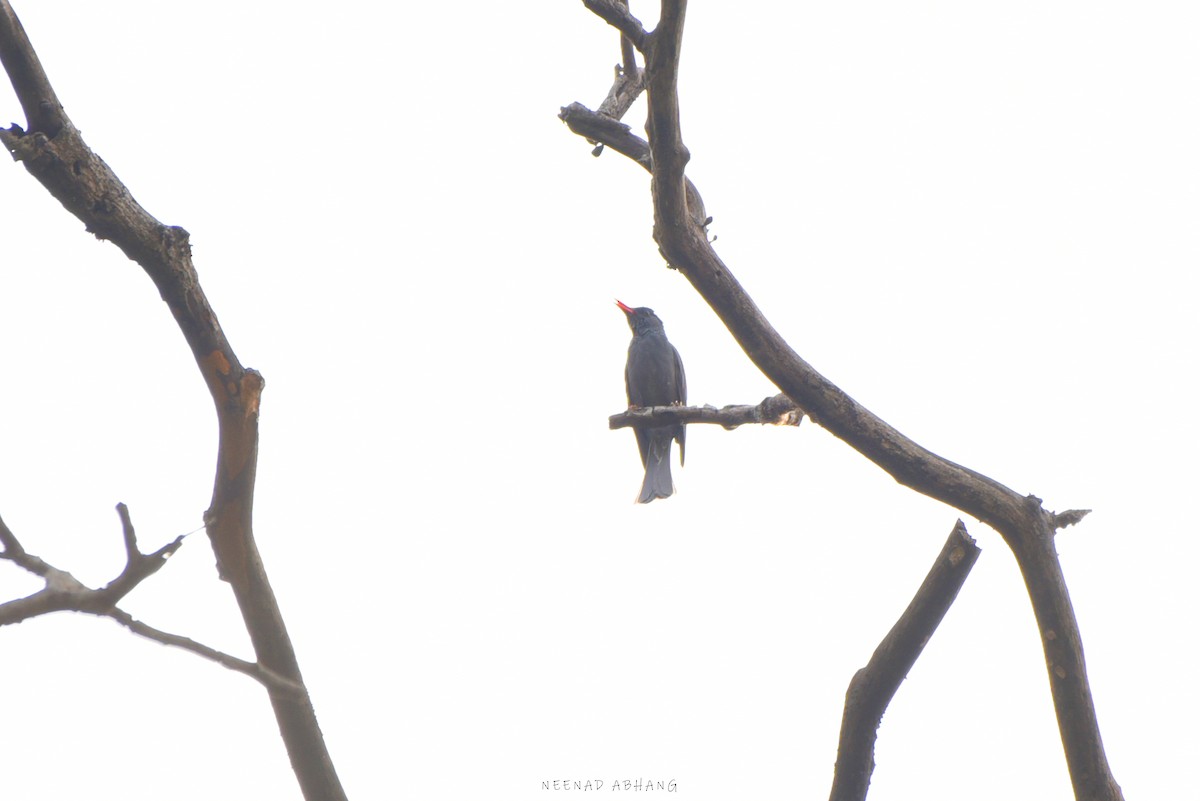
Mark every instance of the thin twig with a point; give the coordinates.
(16, 553)
(628, 58)
(271, 680)
(11, 546)
(130, 537)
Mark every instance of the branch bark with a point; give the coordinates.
(1028, 529)
(874, 686)
(53, 151)
(777, 410)
(630, 80)
(269, 679)
(616, 13)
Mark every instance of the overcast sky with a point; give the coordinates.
(980, 220)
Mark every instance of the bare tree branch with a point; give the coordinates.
(874, 686)
(34, 92)
(628, 57)
(627, 86)
(15, 553)
(138, 566)
(616, 14)
(629, 82)
(777, 410)
(271, 680)
(680, 231)
(54, 152)
(603, 129)
(64, 593)
(599, 128)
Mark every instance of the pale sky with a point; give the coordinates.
(982, 223)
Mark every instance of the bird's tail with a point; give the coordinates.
(658, 483)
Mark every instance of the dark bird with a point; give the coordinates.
(654, 377)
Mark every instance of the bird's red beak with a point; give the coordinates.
(624, 308)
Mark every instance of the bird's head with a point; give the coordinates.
(641, 320)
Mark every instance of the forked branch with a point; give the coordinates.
(1028, 529)
(53, 151)
(64, 593)
(616, 13)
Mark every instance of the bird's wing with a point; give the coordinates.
(642, 440)
(681, 396)
(681, 393)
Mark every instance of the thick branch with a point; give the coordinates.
(679, 230)
(616, 14)
(778, 410)
(88, 188)
(598, 128)
(43, 112)
(607, 131)
(874, 686)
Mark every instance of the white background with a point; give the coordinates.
(979, 220)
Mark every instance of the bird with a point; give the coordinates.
(654, 377)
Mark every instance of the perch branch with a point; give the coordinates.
(874, 686)
(778, 410)
(1028, 529)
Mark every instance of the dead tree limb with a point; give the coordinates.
(681, 234)
(616, 13)
(269, 679)
(777, 410)
(873, 687)
(53, 151)
(64, 593)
